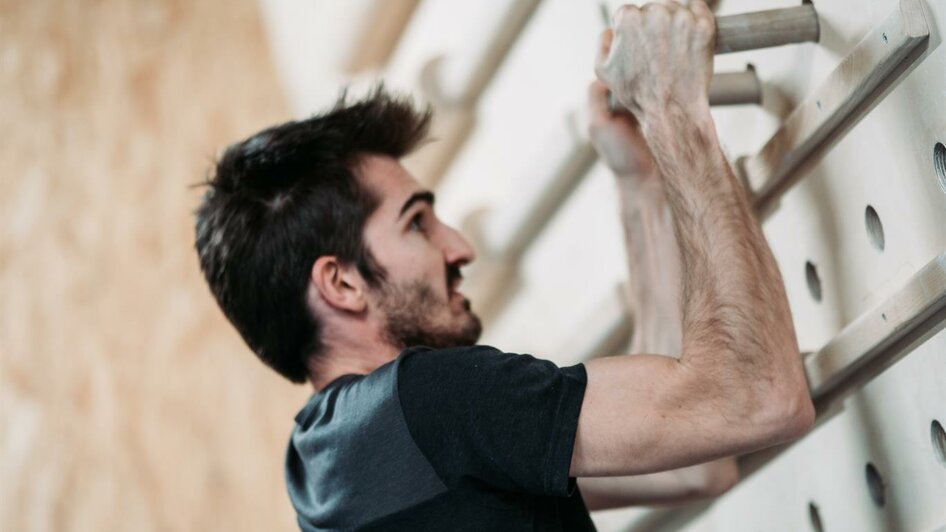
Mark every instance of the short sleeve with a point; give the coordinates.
(504, 419)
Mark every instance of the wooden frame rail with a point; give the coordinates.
(820, 121)
(863, 349)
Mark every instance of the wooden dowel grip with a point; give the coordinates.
(726, 88)
(764, 29)
(735, 88)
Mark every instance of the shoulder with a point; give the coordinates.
(508, 420)
(430, 375)
(467, 362)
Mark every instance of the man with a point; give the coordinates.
(328, 258)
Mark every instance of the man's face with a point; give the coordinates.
(422, 257)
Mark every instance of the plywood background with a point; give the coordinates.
(126, 400)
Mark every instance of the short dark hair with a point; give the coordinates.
(281, 199)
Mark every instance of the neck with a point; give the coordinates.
(346, 354)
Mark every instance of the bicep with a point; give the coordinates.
(647, 413)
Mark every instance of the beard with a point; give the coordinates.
(416, 315)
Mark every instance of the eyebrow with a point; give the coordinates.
(424, 196)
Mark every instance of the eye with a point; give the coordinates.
(416, 223)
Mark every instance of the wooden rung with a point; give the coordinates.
(459, 81)
(735, 88)
(726, 88)
(765, 29)
(842, 100)
(567, 158)
(380, 34)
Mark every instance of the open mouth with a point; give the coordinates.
(454, 280)
(454, 288)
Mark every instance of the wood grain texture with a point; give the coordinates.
(127, 402)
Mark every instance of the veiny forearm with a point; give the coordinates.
(737, 325)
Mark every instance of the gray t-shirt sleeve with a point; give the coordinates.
(506, 420)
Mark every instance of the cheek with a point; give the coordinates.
(415, 258)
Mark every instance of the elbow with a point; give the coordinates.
(794, 415)
(724, 477)
(801, 415)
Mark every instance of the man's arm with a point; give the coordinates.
(655, 292)
(738, 385)
(676, 486)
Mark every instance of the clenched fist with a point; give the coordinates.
(659, 58)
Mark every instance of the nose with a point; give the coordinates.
(456, 249)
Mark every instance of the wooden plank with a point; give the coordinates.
(380, 34)
(567, 158)
(880, 337)
(461, 83)
(844, 98)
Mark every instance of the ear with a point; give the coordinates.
(341, 286)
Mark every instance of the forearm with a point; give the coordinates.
(736, 321)
(655, 292)
(654, 266)
(667, 487)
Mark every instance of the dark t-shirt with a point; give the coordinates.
(451, 439)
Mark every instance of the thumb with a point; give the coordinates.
(598, 101)
(604, 49)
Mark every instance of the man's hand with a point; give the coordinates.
(617, 139)
(659, 57)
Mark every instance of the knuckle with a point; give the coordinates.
(627, 12)
(658, 15)
(704, 27)
(683, 18)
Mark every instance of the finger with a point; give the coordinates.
(701, 10)
(705, 21)
(627, 12)
(674, 4)
(604, 45)
(598, 100)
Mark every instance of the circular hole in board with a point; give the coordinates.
(939, 164)
(814, 515)
(938, 438)
(875, 229)
(814, 281)
(875, 485)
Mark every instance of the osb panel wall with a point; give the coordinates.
(126, 400)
